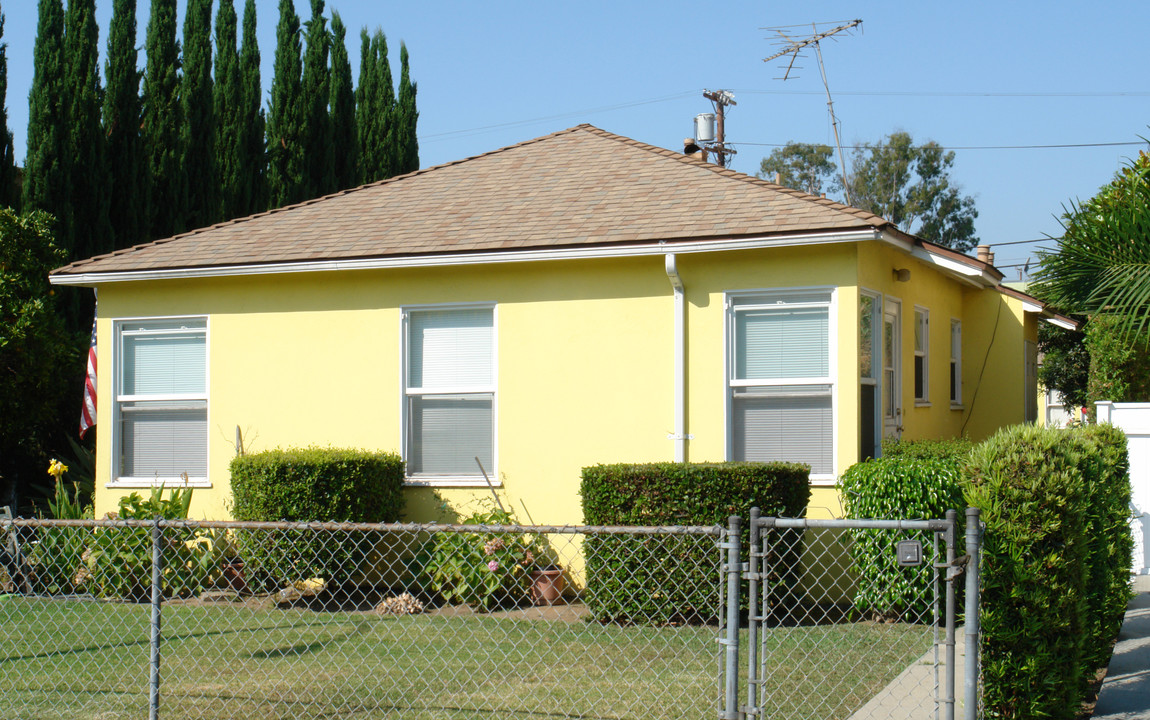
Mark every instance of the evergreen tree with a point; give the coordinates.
(345, 141)
(252, 186)
(45, 173)
(407, 147)
(319, 176)
(162, 123)
(286, 174)
(375, 101)
(229, 113)
(9, 194)
(85, 158)
(127, 171)
(198, 131)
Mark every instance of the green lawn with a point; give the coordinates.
(90, 660)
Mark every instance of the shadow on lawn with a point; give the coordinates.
(167, 639)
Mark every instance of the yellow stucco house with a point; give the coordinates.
(575, 299)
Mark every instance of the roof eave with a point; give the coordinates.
(659, 247)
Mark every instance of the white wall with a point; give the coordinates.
(1134, 420)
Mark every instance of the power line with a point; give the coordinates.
(1021, 242)
(960, 94)
(1058, 146)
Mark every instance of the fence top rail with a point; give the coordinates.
(705, 530)
(855, 524)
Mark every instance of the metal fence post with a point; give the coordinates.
(734, 580)
(973, 551)
(951, 539)
(753, 618)
(157, 600)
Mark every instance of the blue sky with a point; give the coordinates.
(967, 75)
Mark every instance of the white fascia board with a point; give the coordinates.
(955, 268)
(504, 256)
(1059, 322)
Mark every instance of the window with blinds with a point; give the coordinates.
(780, 383)
(161, 401)
(450, 391)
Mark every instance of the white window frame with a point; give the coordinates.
(470, 479)
(876, 362)
(956, 363)
(922, 331)
(749, 299)
(165, 324)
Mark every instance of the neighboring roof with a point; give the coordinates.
(580, 187)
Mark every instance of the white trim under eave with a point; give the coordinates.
(503, 256)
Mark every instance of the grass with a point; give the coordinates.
(73, 659)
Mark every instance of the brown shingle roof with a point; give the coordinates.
(577, 187)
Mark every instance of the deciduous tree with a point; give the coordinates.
(802, 166)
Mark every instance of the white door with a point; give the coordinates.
(891, 369)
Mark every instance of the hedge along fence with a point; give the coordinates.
(1043, 493)
(676, 494)
(918, 484)
(1110, 544)
(309, 484)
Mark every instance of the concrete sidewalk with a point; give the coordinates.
(1125, 692)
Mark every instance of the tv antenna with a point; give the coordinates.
(792, 46)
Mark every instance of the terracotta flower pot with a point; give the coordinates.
(547, 587)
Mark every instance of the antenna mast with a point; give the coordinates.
(792, 47)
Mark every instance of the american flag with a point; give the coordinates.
(88, 412)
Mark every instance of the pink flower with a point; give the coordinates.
(493, 565)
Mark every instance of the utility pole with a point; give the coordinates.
(721, 99)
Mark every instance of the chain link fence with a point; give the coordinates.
(173, 619)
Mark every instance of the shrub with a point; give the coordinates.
(1109, 544)
(1029, 483)
(485, 570)
(119, 560)
(658, 580)
(312, 484)
(953, 449)
(922, 481)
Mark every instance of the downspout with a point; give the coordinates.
(680, 435)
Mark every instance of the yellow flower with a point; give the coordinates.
(57, 468)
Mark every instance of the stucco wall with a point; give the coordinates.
(585, 354)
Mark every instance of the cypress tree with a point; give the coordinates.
(9, 193)
(198, 131)
(162, 123)
(229, 113)
(127, 171)
(375, 101)
(45, 174)
(285, 117)
(85, 156)
(319, 176)
(345, 141)
(407, 147)
(252, 186)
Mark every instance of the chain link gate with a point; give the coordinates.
(851, 619)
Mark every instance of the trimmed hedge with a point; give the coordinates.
(660, 580)
(312, 484)
(1034, 495)
(921, 483)
(952, 449)
(1110, 544)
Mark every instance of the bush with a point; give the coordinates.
(658, 580)
(952, 449)
(921, 481)
(485, 570)
(312, 484)
(1109, 544)
(1029, 483)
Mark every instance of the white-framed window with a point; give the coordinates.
(870, 364)
(161, 401)
(781, 379)
(921, 355)
(449, 393)
(955, 362)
